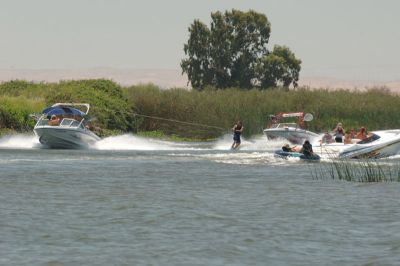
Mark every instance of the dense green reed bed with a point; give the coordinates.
(357, 170)
(375, 109)
(196, 114)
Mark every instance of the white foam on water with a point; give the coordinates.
(394, 157)
(131, 142)
(19, 141)
(249, 158)
(240, 158)
(257, 143)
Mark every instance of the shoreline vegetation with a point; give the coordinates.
(181, 114)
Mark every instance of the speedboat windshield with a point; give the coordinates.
(62, 110)
(285, 125)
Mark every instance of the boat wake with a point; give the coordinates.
(128, 142)
(257, 143)
(131, 142)
(19, 141)
(257, 150)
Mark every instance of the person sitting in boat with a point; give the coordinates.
(327, 138)
(362, 134)
(237, 131)
(338, 132)
(347, 137)
(353, 133)
(54, 120)
(307, 149)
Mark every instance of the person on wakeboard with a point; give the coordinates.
(237, 131)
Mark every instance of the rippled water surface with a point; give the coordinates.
(132, 201)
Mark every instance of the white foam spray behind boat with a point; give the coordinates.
(257, 143)
(131, 142)
(19, 141)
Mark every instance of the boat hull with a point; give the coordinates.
(382, 150)
(65, 138)
(387, 145)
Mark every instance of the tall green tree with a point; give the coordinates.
(280, 67)
(233, 53)
(250, 38)
(197, 48)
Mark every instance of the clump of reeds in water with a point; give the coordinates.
(365, 170)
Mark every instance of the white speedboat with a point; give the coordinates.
(293, 132)
(64, 126)
(379, 144)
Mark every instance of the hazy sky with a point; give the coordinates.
(352, 39)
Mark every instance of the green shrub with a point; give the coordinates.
(109, 106)
(15, 112)
(16, 88)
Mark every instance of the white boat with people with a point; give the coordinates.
(293, 132)
(378, 144)
(65, 126)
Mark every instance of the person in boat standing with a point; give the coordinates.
(237, 131)
(274, 121)
(338, 132)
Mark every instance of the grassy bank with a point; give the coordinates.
(375, 109)
(180, 113)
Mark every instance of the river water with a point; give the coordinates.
(135, 201)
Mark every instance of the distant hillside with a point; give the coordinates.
(333, 83)
(165, 78)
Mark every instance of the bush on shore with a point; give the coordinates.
(110, 109)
